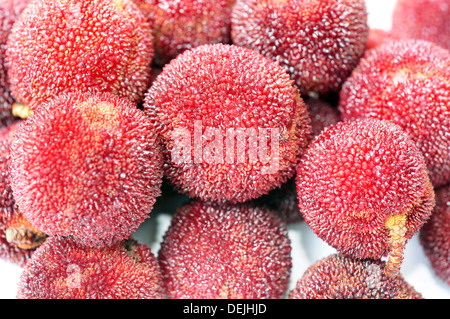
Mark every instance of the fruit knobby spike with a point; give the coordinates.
(18, 237)
(319, 43)
(232, 123)
(434, 235)
(86, 165)
(407, 83)
(58, 46)
(340, 277)
(65, 269)
(363, 187)
(231, 251)
(182, 25)
(9, 11)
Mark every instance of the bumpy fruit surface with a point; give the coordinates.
(64, 269)
(341, 277)
(182, 25)
(284, 199)
(9, 11)
(318, 42)
(407, 83)
(434, 235)
(363, 188)
(85, 165)
(59, 46)
(18, 237)
(233, 251)
(231, 121)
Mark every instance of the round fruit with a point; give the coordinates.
(58, 46)
(231, 121)
(232, 251)
(318, 42)
(341, 277)
(88, 166)
(407, 83)
(64, 269)
(363, 188)
(434, 235)
(424, 20)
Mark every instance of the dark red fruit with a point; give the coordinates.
(230, 251)
(341, 277)
(434, 235)
(318, 42)
(231, 121)
(9, 11)
(18, 238)
(182, 25)
(58, 46)
(284, 199)
(322, 114)
(89, 166)
(407, 83)
(424, 20)
(64, 269)
(363, 188)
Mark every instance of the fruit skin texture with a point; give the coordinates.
(182, 25)
(434, 235)
(318, 42)
(231, 251)
(86, 165)
(60, 46)
(354, 178)
(412, 92)
(228, 88)
(64, 269)
(340, 277)
(424, 20)
(407, 83)
(284, 199)
(9, 11)
(18, 238)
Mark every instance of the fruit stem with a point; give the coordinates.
(397, 230)
(25, 238)
(21, 110)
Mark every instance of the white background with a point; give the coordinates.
(307, 248)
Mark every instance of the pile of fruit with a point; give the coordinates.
(260, 112)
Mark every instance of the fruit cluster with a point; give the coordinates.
(260, 112)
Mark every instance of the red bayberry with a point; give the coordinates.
(424, 20)
(9, 11)
(64, 269)
(232, 123)
(434, 235)
(322, 115)
(341, 277)
(406, 82)
(88, 166)
(18, 238)
(364, 189)
(284, 199)
(318, 42)
(59, 46)
(225, 251)
(182, 25)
